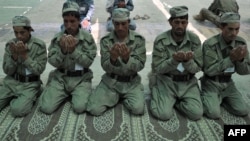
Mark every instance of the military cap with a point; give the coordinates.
(120, 14)
(230, 17)
(21, 21)
(178, 11)
(70, 6)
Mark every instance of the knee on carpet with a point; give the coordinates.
(240, 112)
(215, 114)
(137, 109)
(162, 115)
(96, 111)
(47, 109)
(18, 111)
(195, 115)
(80, 108)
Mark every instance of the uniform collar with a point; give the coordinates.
(224, 45)
(169, 39)
(79, 35)
(130, 37)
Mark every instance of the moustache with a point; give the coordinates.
(179, 29)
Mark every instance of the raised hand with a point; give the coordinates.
(238, 53)
(188, 56)
(243, 52)
(68, 43)
(22, 49)
(114, 52)
(179, 56)
(71, 43)
(63, 44)
(124, 52)
(13, 50)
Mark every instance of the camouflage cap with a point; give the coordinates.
(70, 6)
(21, 21)
(230, 17)
(120, 14)
(178, 11)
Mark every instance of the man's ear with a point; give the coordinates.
(170, 22)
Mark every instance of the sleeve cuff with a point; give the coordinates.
(174, 62)
(12, 61)
(129, 63)
(240, 62)
(188, 63)
(61, 55)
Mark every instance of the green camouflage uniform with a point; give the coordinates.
(218, 7)
(121, 79)
(86, 10)
(173, 87)
(22, 85)
(129, 6)
(221, 6)
(217, 86)
(66, 79)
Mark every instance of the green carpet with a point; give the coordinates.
(117, 124)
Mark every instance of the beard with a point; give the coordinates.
(69, 31)
(121, 33)
(233, 37)
(179, 32)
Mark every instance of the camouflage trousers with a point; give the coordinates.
(215, 94)
(109, 92)
(184, 96)
(210, 16)
(20, 96)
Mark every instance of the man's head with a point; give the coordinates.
(230, 25)
(178, 12)
(22, 28)
(178, 20)
(121, 4)
(71, 17)
(120, 18)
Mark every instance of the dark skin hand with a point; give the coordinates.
(63, 44)
(119, 50)
(71, 42)
(182, 56)
(22, 50)
(179, 56)
(124, 52)
(188, 56)
(238, 53)
(68, 43)
(114, 52)
(13, 50)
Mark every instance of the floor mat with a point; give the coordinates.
(117, 124)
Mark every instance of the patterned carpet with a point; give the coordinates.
(117, 124)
